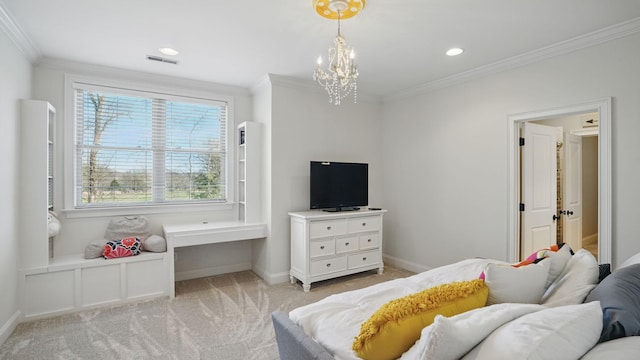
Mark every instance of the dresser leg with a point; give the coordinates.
(292, 279)
(306, 287)
(380, 270)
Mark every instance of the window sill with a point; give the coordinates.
(143, 210)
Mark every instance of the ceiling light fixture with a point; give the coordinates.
(454, 51)
(340, 77)
(168, 51)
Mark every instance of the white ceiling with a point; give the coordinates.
(400, 44)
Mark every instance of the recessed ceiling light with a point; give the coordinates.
(168, 51)
(454, 51)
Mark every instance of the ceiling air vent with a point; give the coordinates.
(161, 59)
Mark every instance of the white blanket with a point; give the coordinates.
(493, 332)
(335, 321)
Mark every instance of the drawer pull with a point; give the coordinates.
(328, 227)
(322, 247)
(364, 258)
(329, 265)
(368, 240)
(364, 224)
(346, 244)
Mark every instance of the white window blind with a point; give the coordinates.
(142, 148)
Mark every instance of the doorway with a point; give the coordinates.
(601, 108)
(570, 212)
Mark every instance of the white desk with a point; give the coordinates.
(206, 233)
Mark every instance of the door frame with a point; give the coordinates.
(603, 108)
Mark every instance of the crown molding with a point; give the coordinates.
(17, 35)
(309, 85)
(137, 76)
(580, 42)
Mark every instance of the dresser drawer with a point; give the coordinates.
(347, 243)
(365, 223)
(322, 248)
(369, 241)
(364, 259)
(327, 228)
(325, 266)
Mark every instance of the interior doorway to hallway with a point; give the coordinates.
(572, 153)
(579, 233)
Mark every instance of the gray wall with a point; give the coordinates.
(445, 153)
(15, 84)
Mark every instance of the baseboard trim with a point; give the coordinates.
(271, 279)
(404, 264)
(211, 271)
(7, 329)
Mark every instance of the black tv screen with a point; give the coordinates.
(338, 185)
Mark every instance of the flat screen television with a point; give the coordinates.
(337, 186)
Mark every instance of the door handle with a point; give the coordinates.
(555, 217)
(569, 212)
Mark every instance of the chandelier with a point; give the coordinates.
(340, 77)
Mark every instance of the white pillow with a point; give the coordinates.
(565, 332)
(626, 348)
(508, 284)
(575, 282)
(635, 259)
(466, 330)
(559, 260)
(154, 243)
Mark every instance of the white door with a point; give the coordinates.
(572, 192)
(539, 188)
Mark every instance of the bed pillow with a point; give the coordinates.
(559, 257)
(619, 296)
(396, 326)
(508, 284)
(465, 330)
(129, 246)
(620, 349)
(559, 261)
(575, 282)
(566, 332)
(635, 259)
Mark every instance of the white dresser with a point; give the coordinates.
(326, 245)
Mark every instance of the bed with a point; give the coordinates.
(557, 305)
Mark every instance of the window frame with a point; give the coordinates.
(71, 82)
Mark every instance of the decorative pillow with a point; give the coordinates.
(537, 256)
(125, 226)
(575, 282)
(129, 246)
(396, 326)
(566, 332)
(516, 285)
(619, 296)
(154, 243)
(559, 256)
(94, 249)
(604, 271)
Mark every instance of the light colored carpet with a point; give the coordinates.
(220, 317)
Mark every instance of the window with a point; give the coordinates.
(144, 148)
